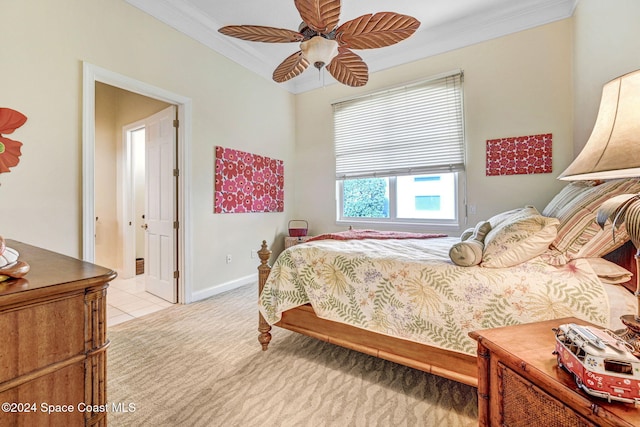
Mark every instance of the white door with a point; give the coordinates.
(160, 202)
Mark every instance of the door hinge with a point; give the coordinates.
(176, 123)
(176, 172)
(176, 274)
(176, 224)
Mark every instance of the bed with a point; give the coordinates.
(405, 297)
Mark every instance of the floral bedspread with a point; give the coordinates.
(411, 290)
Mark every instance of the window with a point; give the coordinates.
(400, 154)
(428, 203)
(618, 366)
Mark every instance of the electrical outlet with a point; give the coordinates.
(254, 253)
(228, 258)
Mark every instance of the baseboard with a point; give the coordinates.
(224, 287)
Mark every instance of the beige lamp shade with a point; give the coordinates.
(613, 149)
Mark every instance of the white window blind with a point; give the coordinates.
(410, 130)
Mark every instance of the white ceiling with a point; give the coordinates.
(445, 25)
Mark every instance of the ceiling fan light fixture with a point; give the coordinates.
(319, 51)
(324, 43)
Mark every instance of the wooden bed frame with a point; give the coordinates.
(456, 366)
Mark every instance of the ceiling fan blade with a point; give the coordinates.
(320, 15)
(373, 31)
(259, 33)
(290, 67)
(348, 68)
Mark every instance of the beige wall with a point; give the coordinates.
(607, 45)
(514, 85)
(106, 149)
(43, 47)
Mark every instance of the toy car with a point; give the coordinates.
(601, 363)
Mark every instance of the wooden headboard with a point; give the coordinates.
(624, 256)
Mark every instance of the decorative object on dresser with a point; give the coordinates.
(520, 383)
(602, 364)
(610, 153)
(324, 44)
(10, 266)
(10, 120)
(53, 341)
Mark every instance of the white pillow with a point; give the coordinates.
(609, 272)
(522, 236)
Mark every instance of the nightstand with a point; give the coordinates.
(292, 241)
(521, 384)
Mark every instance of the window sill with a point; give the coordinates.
(415, 227)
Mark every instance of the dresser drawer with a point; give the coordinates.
(38, 335)
(49, 400)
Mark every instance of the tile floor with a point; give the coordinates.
(127, 299)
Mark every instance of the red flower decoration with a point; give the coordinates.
(519, 155)
(246, 182)
(258, 162)
(230, 202)
(230, 170)
(248, 173)
(10, 120)
(258, 189)
(247, 202)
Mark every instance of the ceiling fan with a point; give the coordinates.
(324, 44)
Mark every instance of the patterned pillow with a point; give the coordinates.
(579, 235)
(565, 196)
(524, 235)
(498, 219)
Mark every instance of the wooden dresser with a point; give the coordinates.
(53, 342)
(521, 384)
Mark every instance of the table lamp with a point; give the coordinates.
(610, 153)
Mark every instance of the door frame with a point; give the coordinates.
(91, 75)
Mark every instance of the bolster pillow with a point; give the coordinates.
(468, 251)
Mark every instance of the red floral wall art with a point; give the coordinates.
(519, 155)
(246, 182)
(10, 120)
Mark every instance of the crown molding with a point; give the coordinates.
(499, 20)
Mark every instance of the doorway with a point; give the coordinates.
(149, 217)
(125, 210)
(94, 226)
(134, 235)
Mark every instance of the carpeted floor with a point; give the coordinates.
(201, 365)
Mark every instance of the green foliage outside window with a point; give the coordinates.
(366, 198)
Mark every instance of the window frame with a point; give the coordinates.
(436, 225)
(445, 225)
